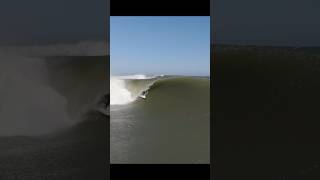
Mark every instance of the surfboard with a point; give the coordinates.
(142, 96)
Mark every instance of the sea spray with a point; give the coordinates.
(28, 105)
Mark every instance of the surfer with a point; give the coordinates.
(143, 94)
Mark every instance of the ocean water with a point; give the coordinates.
(53, 119)
(171, 125)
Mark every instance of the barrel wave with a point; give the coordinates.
(162, 123)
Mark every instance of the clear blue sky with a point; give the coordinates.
(160, 45)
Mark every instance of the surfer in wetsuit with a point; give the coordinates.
(143, 94)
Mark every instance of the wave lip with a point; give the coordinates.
(138, 76)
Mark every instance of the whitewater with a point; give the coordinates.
(123, 91)
(174, 106)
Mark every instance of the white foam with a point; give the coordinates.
(119, 95)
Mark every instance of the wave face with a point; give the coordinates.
(40, 95)
(126, 89)
(176, 109)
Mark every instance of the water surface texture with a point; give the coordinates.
(171, 125)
